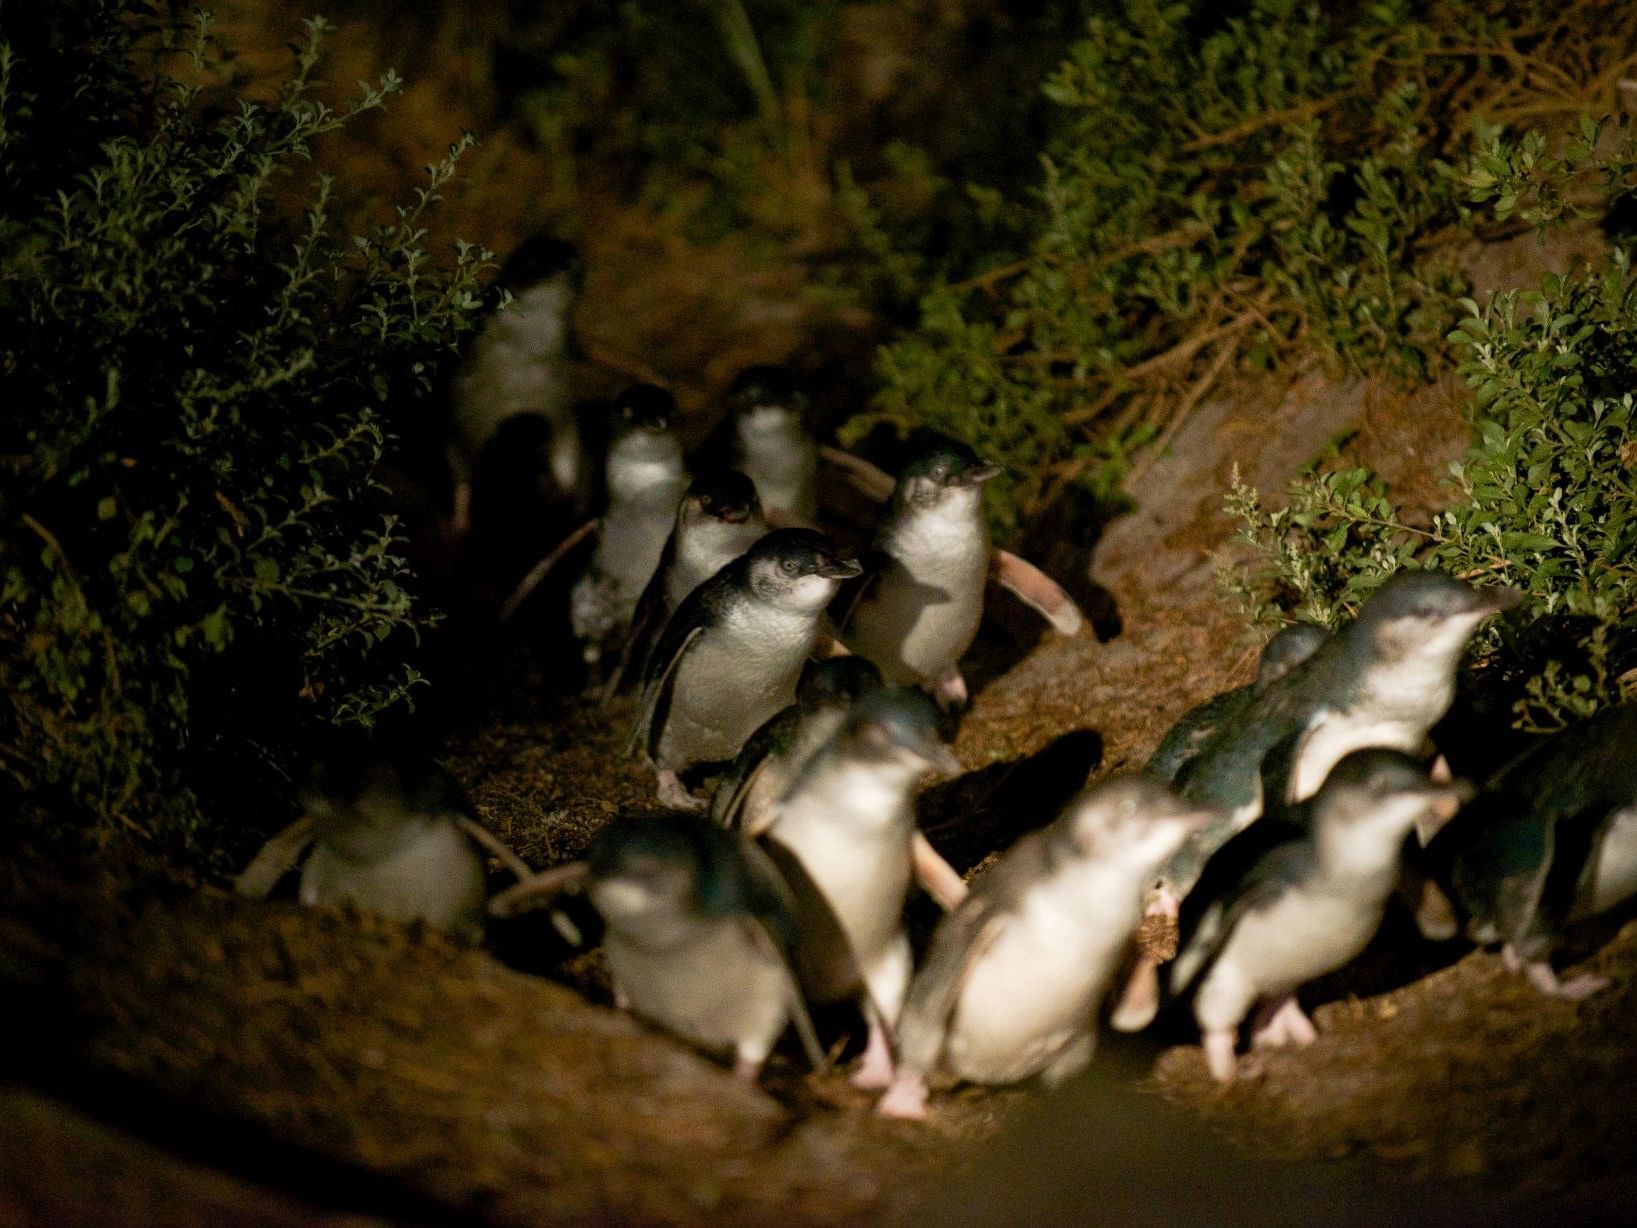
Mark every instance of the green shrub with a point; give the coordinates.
(196, 359)
(1232, 192)
(1545, 500)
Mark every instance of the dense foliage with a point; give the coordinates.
(1226, 192)
(195, 366)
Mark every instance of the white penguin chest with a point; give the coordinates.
(1304, 934)
(1332, 734)
(862, 866)
(435, 876)
(1035, 990)
(922, 613)
(733, 678)
(717, 988)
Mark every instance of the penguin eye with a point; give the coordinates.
(790, 567)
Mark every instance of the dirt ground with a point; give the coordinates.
(181, 1056)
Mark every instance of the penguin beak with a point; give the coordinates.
(1446, 801)
(976, 476)
(839, 568)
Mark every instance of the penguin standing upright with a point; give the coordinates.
(917, 610)
(519, 365)
(646, 478)
(844, 836)
(1550, 840)
(1305, 904)
(389, 835)
(698, 933)
(731, 654)
(1384, 680)
(1014, 976)
(719, 518)
(771, 442)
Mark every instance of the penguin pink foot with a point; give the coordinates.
(875, 1068)
(1280, 1023)
(673, 793)
(905, 1099)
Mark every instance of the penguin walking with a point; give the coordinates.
(1550, 840)
(1384, 680)
(698, 933)
(843, 835)
(1305, 901)
(771, 442)
(1014, 976)
(646, 478)
(1289, 647)
(518, 367)
(917, 610)
(388, 837)
(731, 654)
(768, 763)
(719, 518)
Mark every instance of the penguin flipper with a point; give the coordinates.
(274, 860)
(728, 802)
(647, 624)
(937, 877)
(516, 898)
(1245, 873)
(489, 843)
(540, 570)
(1036, 590)
(774, 929)
(869, 480)
(959, 941)
(656, 697)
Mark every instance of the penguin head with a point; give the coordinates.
(899, 726)
(538, 259)
(356, 791)
(1134, 819)
(1374, 798)
(939, 471)
(1428, 614)
(641, 434)
(836, 681)
(798, 569)
(650, 872)
(765, 399)
(725, 495)
(1290, 646)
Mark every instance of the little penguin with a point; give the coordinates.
(1383, 680)
(917, 610)
(519, 365)
(1014, 976)
(1293, 904)
(843, 835)
(719, 518)
(770, 760)
(646, 478)
(731, 654)
(1550, 840)
(698, 933)
(771, 442)
(1289, 647)
(389, 836)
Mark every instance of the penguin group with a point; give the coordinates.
(817, 685)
